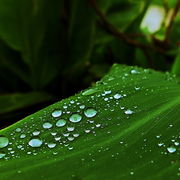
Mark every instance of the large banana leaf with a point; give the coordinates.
(125, 127)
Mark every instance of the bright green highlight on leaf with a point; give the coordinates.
(127, 129)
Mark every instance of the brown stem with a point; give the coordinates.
(111, 29)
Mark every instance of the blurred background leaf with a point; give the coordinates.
(61, 47)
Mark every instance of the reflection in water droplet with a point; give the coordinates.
(4, 141)
(51, 145)
(70, 128)
(176, 143)
(90, 112)
(56, 113)
(2, 155)
(82, 106)
(128, 111)
(36, 133)
(22, 136)
(18, 130)
(107, 92)
(35, 142)
(61, 123)
(117, 96)
(75, 118)
(89, 92)
(134, 71)
(171, 149)
(47, 125)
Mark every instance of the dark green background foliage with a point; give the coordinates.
(50, 50)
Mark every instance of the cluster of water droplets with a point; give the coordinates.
(64, 124)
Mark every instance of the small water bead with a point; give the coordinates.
(65, 134)
(72, 101)
(90, 112)
(36, 133)
(106, 99)
(19, 146)
(18, 130)
(57, 113)
(176, 143)
(51, 145)
(160, 144)
(98, 125)
(35, 142)
(87, 130)
(128, 111)
(117, 96)
(61, 123)
(22, 136)
(70, 138)
(75, 118)
(134, 71)
(57, 138)
(70, 129)
(76, 135)
(107, 92)
(171, 149)
(2, 155)
(82, 106)
(137, 88)
(53, 133)
(47, 125)
(4, 141)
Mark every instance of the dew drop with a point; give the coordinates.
(171, 149)
(61, 123)
(176, 143)
(2, 155)
(82, 106)
(70, 129)
(22, 136)
(134, 71)
(128, 111)
(47, 125)
(117, 96)
(89, 92)
(36, 133)
(35, 142)
(90, 112)
(51, 145)
(75, 118)
(18, 130)
(107, 92)
(4, 141)
(56, 113)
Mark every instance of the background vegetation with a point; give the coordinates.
(50, 50)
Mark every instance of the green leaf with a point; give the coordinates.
(81, 32)
(122, 14)
(29, 28)
(176, 65)
(15, 101)
(129, 130)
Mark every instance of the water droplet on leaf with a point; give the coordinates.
(4, 141)
(61, 123)
(75, 118)
(35, 142)
(90, 112)
(56, 113)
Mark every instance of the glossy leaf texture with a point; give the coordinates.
(124, 127)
